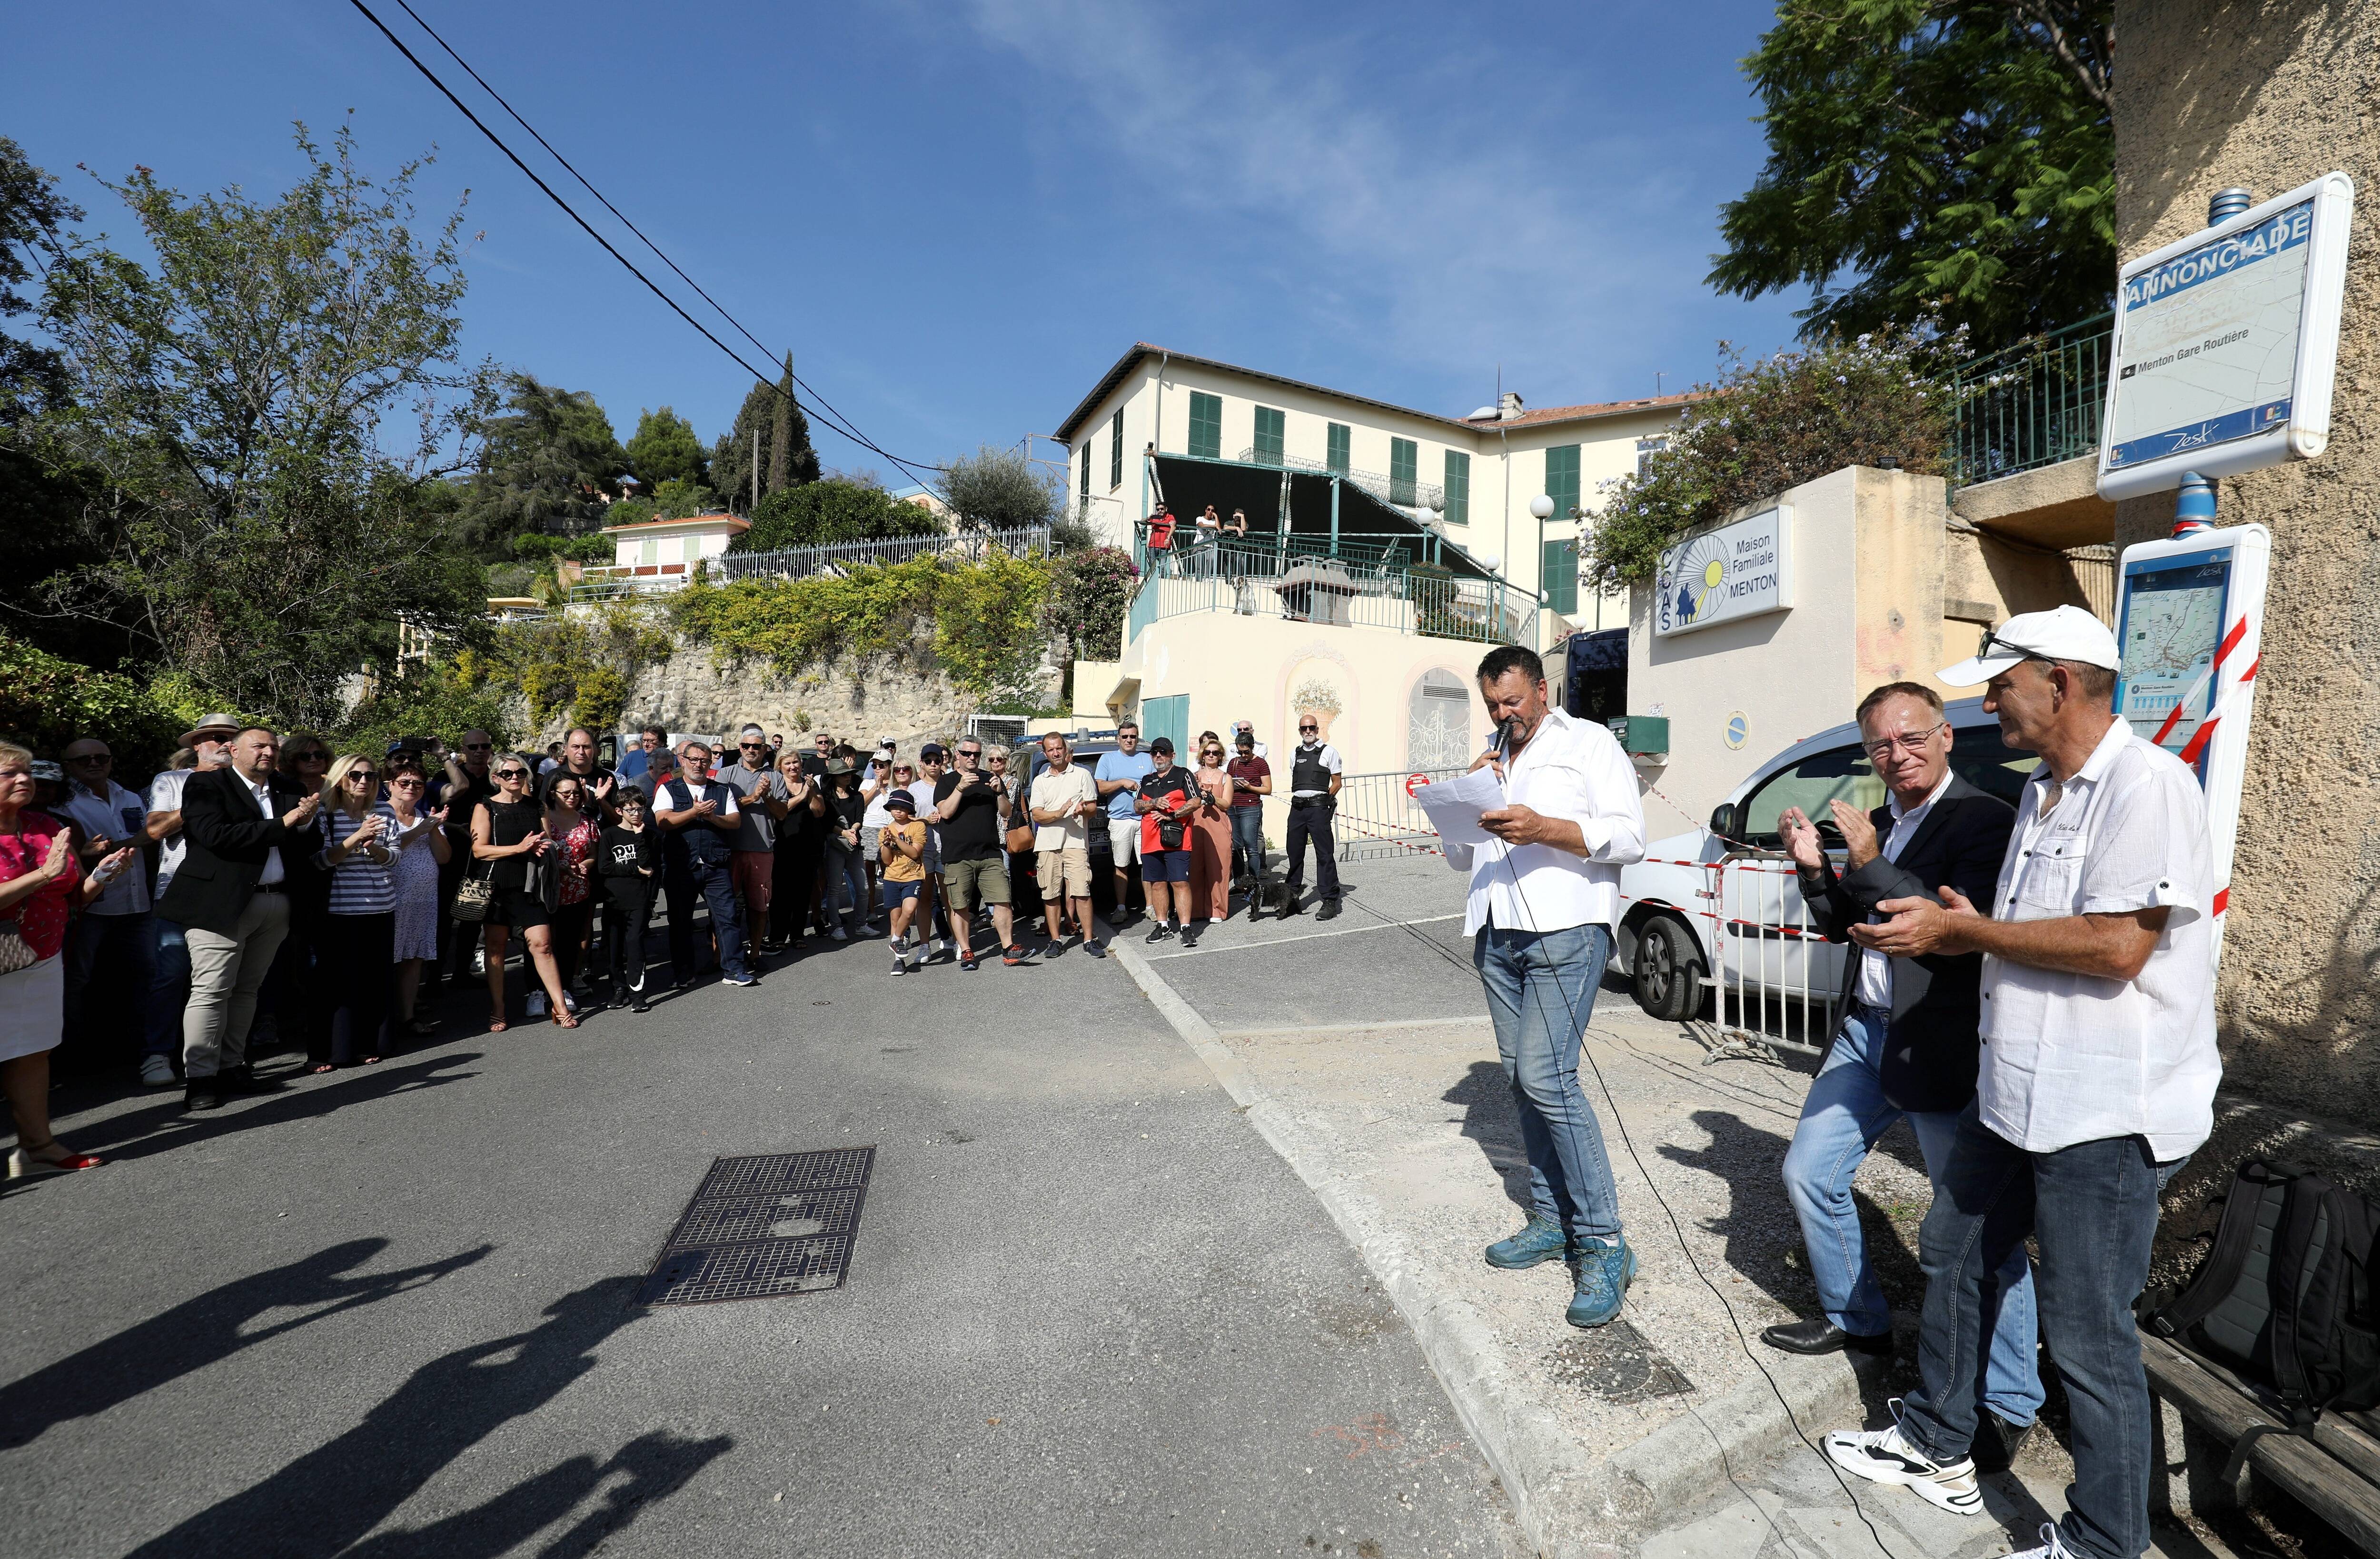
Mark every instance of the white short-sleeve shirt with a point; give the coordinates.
(2072, 1058)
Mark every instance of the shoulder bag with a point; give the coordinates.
(472, 894)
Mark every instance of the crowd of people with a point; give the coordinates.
(265, 891)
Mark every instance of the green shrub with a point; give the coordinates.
(817, 513)
(47, 701)
(1775, 422)
(1091, 591)
(432, 701)
(986, 616)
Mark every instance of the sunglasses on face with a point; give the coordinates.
(313, 758)
(93, 758)
(360, 776)
(752, 746)
(477, 746)
(405, 785)
(512, 774)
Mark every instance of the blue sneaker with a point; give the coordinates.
(1605, 1270)
(1537, 1241)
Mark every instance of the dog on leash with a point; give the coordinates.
(1269, 895)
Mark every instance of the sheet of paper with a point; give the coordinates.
(1453, 806)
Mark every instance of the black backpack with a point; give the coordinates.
(2286, 1298)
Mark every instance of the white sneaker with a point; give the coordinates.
(157, 1071)
(900, 965)
(836, 931)
(536, 1007)
(2050, 1546)
(571, 1003)
(916, 956)
(1883, 1456)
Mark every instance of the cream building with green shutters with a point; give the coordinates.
(1387, 550)
(1186, 431)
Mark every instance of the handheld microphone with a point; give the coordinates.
(1508, 732)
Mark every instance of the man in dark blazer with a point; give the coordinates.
(1907, 1044)
(249, 838)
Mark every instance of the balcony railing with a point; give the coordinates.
(1360, 586)
(1401, 492)
(2033, 404)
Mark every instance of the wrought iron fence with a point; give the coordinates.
(795, 563)
(1357, 587)
(2033, 404)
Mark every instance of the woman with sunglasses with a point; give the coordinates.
(574, 837)
(1209, 838)
(801, 843)
(418, 836)
(507, 831)
(355, 950)
(842, 808)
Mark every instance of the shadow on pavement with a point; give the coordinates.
(1759, 1225)
(201, 1331)
(163, 1126)
(1491, 1119)
(329, 1498)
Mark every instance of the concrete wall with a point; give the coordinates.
(2269, 96)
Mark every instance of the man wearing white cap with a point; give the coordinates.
(2097, 1076)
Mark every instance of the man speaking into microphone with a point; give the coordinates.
(1545, 896)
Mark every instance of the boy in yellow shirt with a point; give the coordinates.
(901, 853)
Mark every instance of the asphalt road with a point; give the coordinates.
(385, 1312)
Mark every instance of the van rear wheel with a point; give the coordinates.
(1669, 972)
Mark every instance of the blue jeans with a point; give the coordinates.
(1247, 841)
(1845, 1113)
(2094, 1208)
(846, 886)
(169, 987)
(710, 883)
(100, 937)
(1541, 990)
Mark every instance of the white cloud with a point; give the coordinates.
(1449, 230)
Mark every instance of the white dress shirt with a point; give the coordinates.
(1572, 770)
(263, 791)
(1875, 969)
(2074, 1058)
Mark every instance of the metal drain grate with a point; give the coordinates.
(774, 1223)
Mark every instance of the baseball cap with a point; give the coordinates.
(2066, 633)
(932, 750)
(901, 802)
(1163, 744)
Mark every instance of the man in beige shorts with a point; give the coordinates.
(1064, 801)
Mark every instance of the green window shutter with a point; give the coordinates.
(1207, 425)
(1561, 575)
(1087, 468)
(1269, 439)
(1404, 469)
(1562, 479)
(1340, 438)
(1115, 449)
(1458, 488)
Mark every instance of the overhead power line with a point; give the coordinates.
(835, 420)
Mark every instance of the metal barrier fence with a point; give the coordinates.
(1775, 975)
(1376, 815)
(795, 563)
(2033, 404)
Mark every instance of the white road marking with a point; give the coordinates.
(1309, 936)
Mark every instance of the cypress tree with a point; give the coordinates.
(791, 460)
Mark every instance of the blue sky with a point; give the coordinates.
(957, 214)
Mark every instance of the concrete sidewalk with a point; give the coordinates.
(1360, 1049)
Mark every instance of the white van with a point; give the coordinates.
(1724, 897)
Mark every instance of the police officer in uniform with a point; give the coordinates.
(1314, 779)
(696, 821)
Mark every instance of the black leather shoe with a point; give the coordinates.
(1996, 1444)
(1821, 1335)
(1329, 910)
(243, 1079)
(202, 1094)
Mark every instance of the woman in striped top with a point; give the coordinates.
(357, 953)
